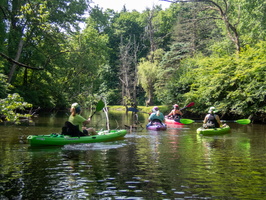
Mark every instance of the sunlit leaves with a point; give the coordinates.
(149, 72)
(4, 86)
(234, 84)
(10, 107)
(83, 64)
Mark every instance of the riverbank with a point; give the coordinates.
(191, 115)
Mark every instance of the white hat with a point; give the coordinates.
(75, 105)
(212, 110)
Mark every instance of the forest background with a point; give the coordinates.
(211, 52)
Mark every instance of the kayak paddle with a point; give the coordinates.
(99, 107)
(136, 110)
(243, 121)
(189, 105)
(133, 109)
(186, 121)
(240, 121)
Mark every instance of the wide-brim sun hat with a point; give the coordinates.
(212, 110)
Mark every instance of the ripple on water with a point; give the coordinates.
(93, 146)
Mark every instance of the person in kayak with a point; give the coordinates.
(175, 114)
(156, 115)
(212, 120)
(77, 120)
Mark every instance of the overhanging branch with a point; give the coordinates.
(18, 63)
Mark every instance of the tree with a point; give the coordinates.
(10, 107)
(4, 86)
(11, 104)
(128, 72)
(31, 21)
(233, 84)
(36, 37)
(148, 73)
(223, 11)
(159, 25)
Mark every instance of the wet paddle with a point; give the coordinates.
(239, 121)
(243, 121)
(99, 107)
(135, 110)
(187, 106)
(186, 121)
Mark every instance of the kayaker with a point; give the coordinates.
(76, 119)
(175, 114)
(212, 120)
(156, 115)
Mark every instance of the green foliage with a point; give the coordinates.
(177, 52)
(10, 105)
(149, 72)
(193, 61)
(252, 21)
(177, 83)
(45, 28)
(195, 27)
(234, 84)
(4, 86)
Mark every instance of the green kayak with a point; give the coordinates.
(57, 139)
(213, 131)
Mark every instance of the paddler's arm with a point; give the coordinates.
(218, 120)
(205, 120)
(87, 121)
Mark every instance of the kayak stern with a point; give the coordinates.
(213, 131)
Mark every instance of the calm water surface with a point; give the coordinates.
(172, 164)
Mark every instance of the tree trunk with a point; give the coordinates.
(128, 71)
(13, 68)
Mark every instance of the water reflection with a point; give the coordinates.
(172, 164)
(93, 146)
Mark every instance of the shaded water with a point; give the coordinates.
(172, 164)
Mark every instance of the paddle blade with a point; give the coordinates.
(133, 109)
(186, 121)
(243, 121)
(187, 106)
(100, 105)
(190, 104)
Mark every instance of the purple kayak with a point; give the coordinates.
(158, 126)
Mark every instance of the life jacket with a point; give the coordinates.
(212, 122)
(176, 116)
(72, 130)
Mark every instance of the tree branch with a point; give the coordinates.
(18, 63)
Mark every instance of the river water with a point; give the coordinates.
(172, 164)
